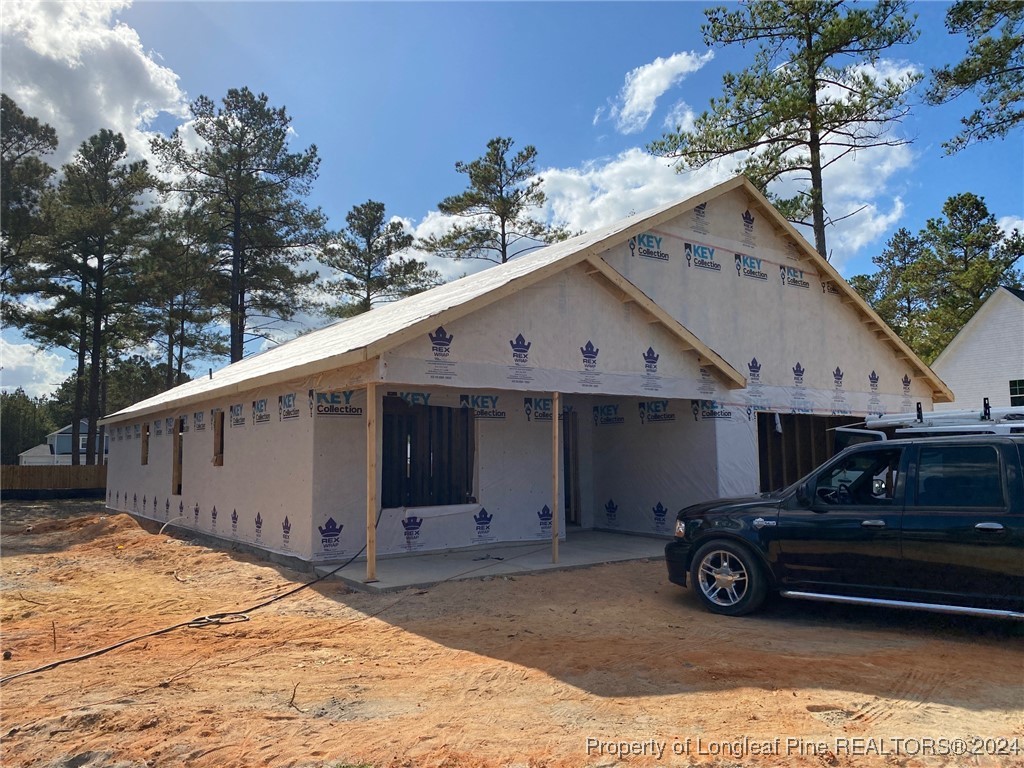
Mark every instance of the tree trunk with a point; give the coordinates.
(96, 360)
(814, 145)
(237, 309)
(76, 408)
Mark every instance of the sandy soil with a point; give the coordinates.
(596, 667)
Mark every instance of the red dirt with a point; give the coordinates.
(554, 669)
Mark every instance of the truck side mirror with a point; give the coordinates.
(803, 493)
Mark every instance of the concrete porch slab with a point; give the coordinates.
(579, 550)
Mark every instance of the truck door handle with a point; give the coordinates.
(872, 524)
(989, 527)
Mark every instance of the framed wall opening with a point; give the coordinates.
(792, 444)
(427, 455)
(177, 453)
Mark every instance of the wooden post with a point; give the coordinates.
(371, 481)
(556, 506)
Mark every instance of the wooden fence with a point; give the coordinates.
(53, 478)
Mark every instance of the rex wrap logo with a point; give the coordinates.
(754, 368)
(411, 527)
(482, 525)
(660, 513)
(538, 408)
(873, 379)
(589, 353)
(520, 350)
(655, 412)
(700, 211)
(544, 518)
(701, 257)
(748, 222)
(611, 510)
(837, 377)
(649, 246)
(798, 374)
(484, 406)
(607, 414)
(651, 360)
(286, 532)
(259, 526)
(336, 404)
(906, 384)
(750, 267)
(440, 343)
(213, 518)
(330, 535)
(234, 521)
(793, 277)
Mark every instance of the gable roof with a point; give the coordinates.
(383, 328)
(977, 321)
(1018, 292)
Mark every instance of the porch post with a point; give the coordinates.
(556, 506)
(371, 482)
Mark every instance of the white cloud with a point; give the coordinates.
(72, 65)
(1009, 223)
(680, 118)
(644, 85)
(603, 191)
(38, 372)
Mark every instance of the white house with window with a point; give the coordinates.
(702, 349)
(986, 358)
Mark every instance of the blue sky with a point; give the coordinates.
(393, 94)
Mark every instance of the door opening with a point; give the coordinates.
(571, 466)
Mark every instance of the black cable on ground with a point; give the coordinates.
(228, 617)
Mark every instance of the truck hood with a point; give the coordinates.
(730, 506)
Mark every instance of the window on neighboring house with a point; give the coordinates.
(145, 443)
(83, 442)
(1017, 392)
(177, 451)
(427, 455)
(218, 438)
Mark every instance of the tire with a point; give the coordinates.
(728, 579)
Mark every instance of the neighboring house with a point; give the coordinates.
(986, 358)
(57, 448)
(699, 350)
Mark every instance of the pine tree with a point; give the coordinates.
(495, 210)
(368, 255)
(808, 100)
(252, 187)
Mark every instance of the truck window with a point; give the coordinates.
(959, 476)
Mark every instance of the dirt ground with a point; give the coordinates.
(595, 667)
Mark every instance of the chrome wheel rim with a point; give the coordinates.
(722, 578)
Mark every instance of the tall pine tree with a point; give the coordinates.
(494, 213)
(253, 187)
(367, 254)
(808, 100)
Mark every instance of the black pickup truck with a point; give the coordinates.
(930, 524)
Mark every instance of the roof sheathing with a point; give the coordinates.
(366, 336)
